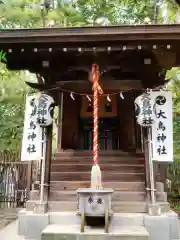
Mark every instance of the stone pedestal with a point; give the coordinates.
(154, 210)
(158, 227)
(32, 224)
(40, 208)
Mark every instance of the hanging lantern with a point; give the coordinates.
(49, 5)
(45, 107)
(144, 110)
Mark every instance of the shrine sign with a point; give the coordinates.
(162, 129)
(32, 133)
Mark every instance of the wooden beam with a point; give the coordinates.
(109, 86)
(133, 33)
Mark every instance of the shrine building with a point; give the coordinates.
(131, 59)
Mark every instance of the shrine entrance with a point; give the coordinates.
(117, 127)
(109, 123)
(108, 133)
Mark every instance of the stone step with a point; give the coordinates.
(58, 232)
(101, 160)
(117, 186)
(64, 167)
(117, 196)
(117, 207)
(101, 153)
(106, 176)
(118, 219)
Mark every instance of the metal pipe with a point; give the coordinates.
(43, 164)
(142, 141)
(151, 170)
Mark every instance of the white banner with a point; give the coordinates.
(32, 133)
(162, 129)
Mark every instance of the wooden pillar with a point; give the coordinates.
(70, 138)
(137, 128)
(127, 126)
(133, 126)
(60, 121)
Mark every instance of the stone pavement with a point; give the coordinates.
(7, 215)
(10, 232)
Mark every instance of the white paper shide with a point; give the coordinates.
(32, 133)
(162, 129)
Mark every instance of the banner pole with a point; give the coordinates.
(43, 164)
(151, 170)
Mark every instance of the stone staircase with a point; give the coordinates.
(124, 172)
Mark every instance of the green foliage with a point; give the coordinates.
(12, 97)
(20, 13)
(177, 207)
(174, 85)
(174, 169)
(27, 13)
(174, 175)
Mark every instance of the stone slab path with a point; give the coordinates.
(10, 232)
(7, 216)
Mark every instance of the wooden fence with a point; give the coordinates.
(15, 180)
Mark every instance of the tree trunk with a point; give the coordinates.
(156, 12)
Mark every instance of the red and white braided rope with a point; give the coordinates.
(95, 76)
